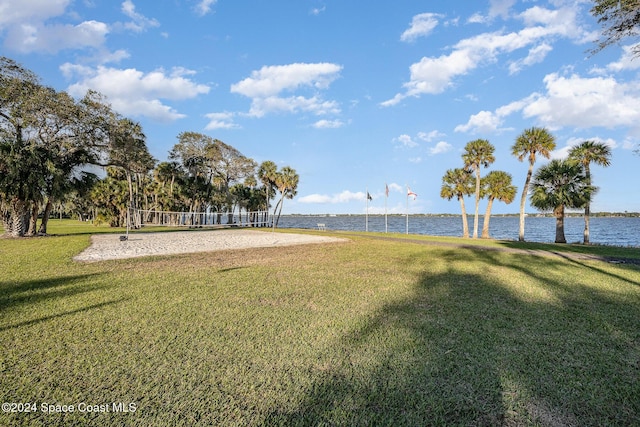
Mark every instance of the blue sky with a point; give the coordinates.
(352, 95)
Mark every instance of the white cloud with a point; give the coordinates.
(536, 55)
(440, 147)
(33, 11)
(204, 6)
(273, 104)
(135, 93)
(501, 8)
(28, 26)
(491, 122)
(347, 196)
(498, 8)
(586, 102)
(328, 124)
(482, 122)
(430, 136)
(138, 22)
(318, 10)
(103, 57)
(265, 86)
(628, 61)
(27, 38)
(396, 187)
(563, 21)
(477, 18)
(221, 121)
(433, 75)
(405, 141)
(573, 101)
(421, 25)
(343, 197)
(271, 80)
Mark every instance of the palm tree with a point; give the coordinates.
(267, 172)
(531, 142)
(585, 153)
(477, 153)
(129, 151)
(560, 184)
(496, 185)
(287, 183)
(458, 183)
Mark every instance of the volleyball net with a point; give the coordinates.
(140, 217)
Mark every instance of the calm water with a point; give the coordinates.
(606, 231)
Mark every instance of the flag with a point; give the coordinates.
(369, 196)
(411, 193)
(386, 190)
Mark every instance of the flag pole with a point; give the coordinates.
(409, 193)
(407, 212)
(366, 215)
(386, 196)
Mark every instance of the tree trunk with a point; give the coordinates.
(586, 223)
(45, 217)
(465, 224)
(559, 214)
(279, 212)
(130, 183)
(6, 221)
(33, 219)
(266, 219)
(19, 217)
(587, 208)
(279, 209)
(475, 217)
(523, 201)
(487, 218)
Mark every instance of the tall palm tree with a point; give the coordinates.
(558, 185)
(458, 183)
(477, 153)
(531, 142)
(585, 153)
(496, 185)
(287, 183)
(267, 172)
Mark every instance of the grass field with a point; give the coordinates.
(370, 332)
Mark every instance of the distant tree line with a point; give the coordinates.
(557, 186)
(49, 141)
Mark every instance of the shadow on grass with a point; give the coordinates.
(467, 350)
(602, 271)
(605, 253)
(66, 313)
(33, 291)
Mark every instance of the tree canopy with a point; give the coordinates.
(528, 145)
(620, 20)
(49, 140)
(558, 185)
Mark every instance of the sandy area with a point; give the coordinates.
(109, 246)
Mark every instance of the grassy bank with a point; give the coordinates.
(370, 332)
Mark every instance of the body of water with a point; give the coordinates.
(615, 231)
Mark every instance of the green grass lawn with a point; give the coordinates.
(370, 332)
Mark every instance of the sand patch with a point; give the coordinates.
(109, 246)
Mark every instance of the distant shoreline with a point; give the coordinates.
(536, 214)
